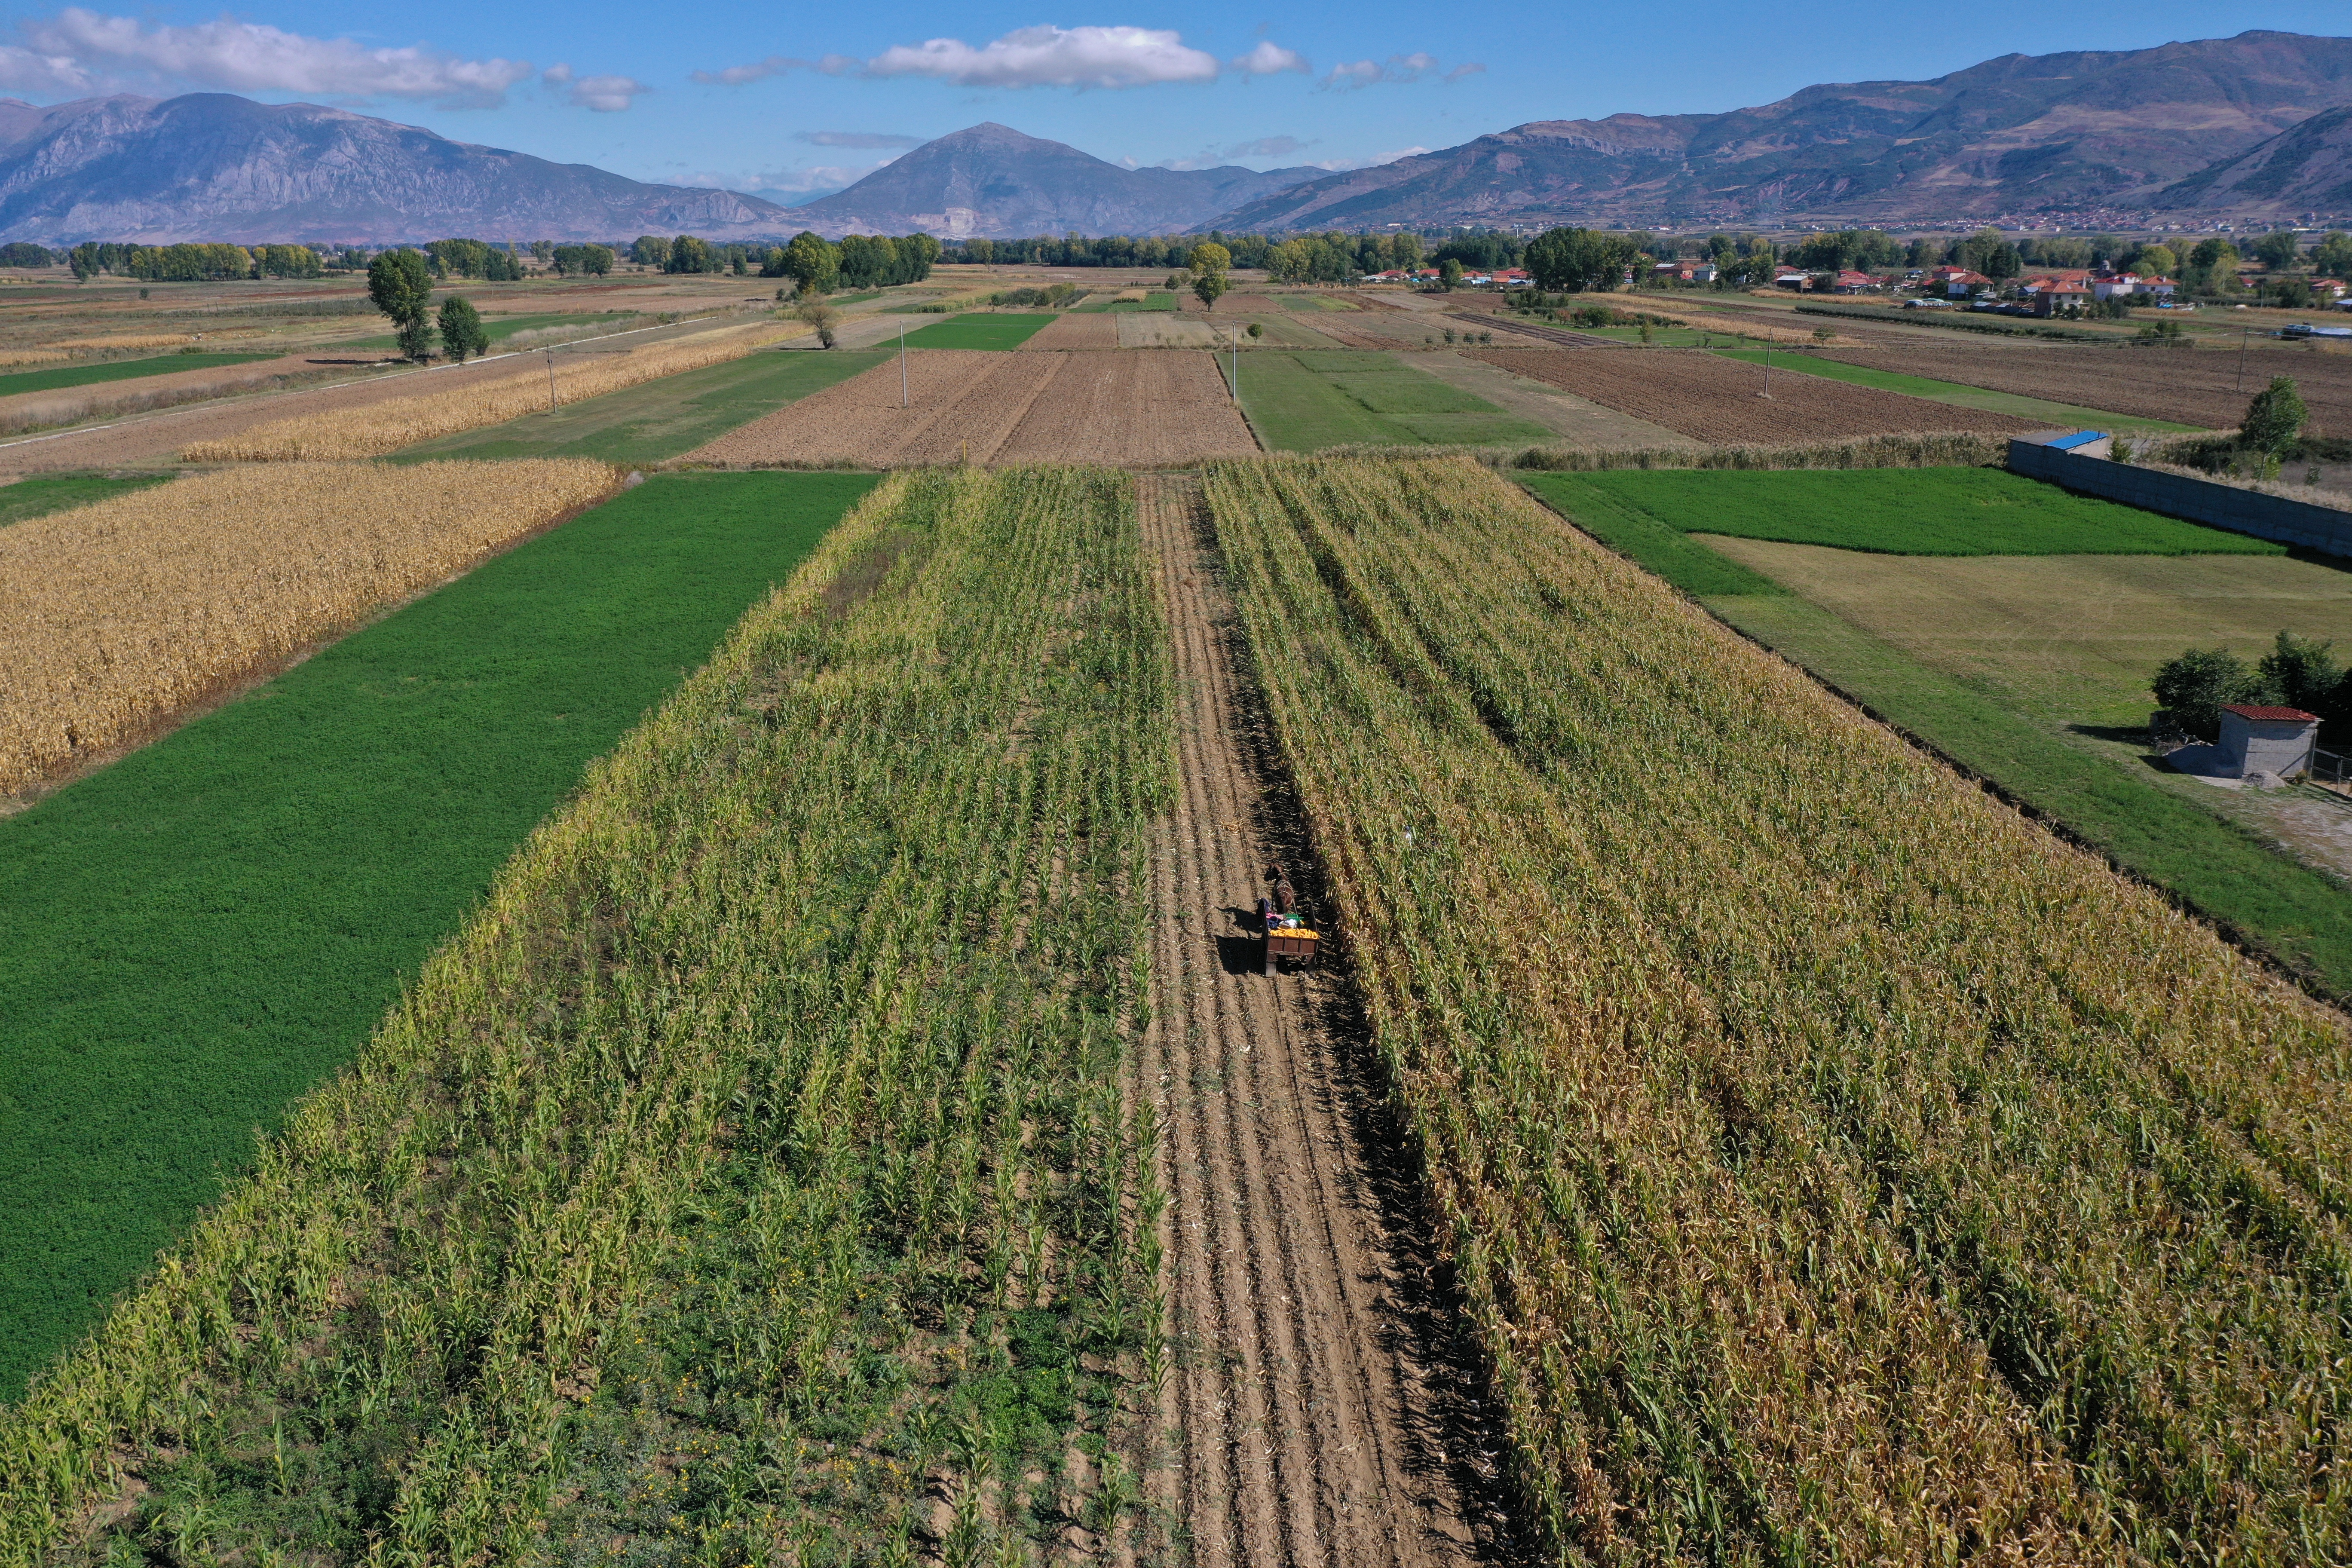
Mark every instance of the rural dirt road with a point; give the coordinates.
(1321, 1411)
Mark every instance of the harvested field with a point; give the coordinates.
(981, 407)
(1099, 330)
(126, 611)
(1163, 330)
(2187, 386)
(389, 427)
(1699, 394)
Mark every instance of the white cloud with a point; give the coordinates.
(1341, 166)
(1413, 67)
(1267, 147)
(1054, 56)
(776, 65)
(855, 138)
(78, 47)
(1268, 59)
(23, 70)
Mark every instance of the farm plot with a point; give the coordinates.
(1305, 402)
(1103, 407)
(40, 497)
(2199, 387)
(1712, 399)
(982, 330)
(1099, 331)
(764, 1139)
(1913, 512)
(2042, 410)
(2021, 685)
(386, 426)
(193, 937)
(1895, 1229)
(661, 418)
(71, 375)
(126, 611)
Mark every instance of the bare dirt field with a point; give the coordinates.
(1100, 407)
(1163, 330)
(1094, 330)
(1714, 399)
(1580, 421)
(2199, 386)
(1323, 1410)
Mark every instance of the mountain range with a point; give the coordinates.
(214, 166)
(2255, 126)
(2023, 133)
(990, 179)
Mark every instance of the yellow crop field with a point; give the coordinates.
(380, 428)
(32, 356)
(1838, 1167)
(119, 613)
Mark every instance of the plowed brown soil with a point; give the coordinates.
(1319, 1411)
(969, 406)
(2199, 386)
(1094, 330)
(1711, 398)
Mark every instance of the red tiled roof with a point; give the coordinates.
(2252, 710)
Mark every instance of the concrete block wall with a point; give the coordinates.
(2263, 516)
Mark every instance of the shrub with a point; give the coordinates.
(2274, 418)
(2194, 685)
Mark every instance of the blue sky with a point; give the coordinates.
(795, 100)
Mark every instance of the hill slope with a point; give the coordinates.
(990, 179)
(2020, 133)
(2306, 169)
(214, 166)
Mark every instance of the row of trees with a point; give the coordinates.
(818, 266)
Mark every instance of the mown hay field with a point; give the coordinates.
(1700, 395)
(965, 405)
(125, 611)
(754, 1177)
(386, 426)
(1839, 1167)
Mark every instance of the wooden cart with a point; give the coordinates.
(1296, 943)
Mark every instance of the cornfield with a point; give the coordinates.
(755, 1168)
(123, 612)
(1838, 1168)
(378, 428)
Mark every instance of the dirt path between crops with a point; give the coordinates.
(1321, 1408)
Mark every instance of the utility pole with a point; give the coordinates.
(2243, 333)
(902, 364)
(550, 381)
(1767, 367)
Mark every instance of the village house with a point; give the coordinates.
(1851, 282)
(1956, 281)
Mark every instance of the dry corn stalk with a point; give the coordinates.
(32, 356)
(383, 427)
(115, 615)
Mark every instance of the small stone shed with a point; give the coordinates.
(2257, 740)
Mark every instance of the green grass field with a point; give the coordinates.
(978, 331)
(1912, 511)
(501, 328)
(661, 418)
(1306, 400)
(55, 492)
(1310, 304)
(59, 378)
(2146, 822)
(193, 937)
(2062, 416)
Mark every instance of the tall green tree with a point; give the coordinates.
(812, 262)
(1209, 262)
(2279, 249)
(2193, 688)
(400, 283)
(462, 337)
(2274, 419)
(2333, 256)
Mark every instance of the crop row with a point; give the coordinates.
(755, 1165)
(1839, 1168)
(127, 609)
(377, 429)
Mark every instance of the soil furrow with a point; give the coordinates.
(1317, 1405)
